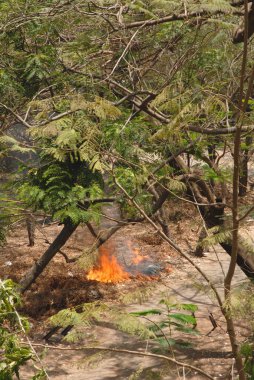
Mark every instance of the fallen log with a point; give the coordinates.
(245, 258)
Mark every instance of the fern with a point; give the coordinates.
(163, 97)
(131, 325)
(100, 107)
(140, 6)
(164, 5)
(60, 188)
(176, 124)
(105, 110)
(176, 186)
(98, 311)
(216, 235)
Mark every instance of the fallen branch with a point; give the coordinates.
(179, 17)
(131, 352)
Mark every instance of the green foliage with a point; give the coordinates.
(181, 317)
(97, 311)
(247, 350)
(10, 144)
(212, 6)
(243, 303)
(70, 167)
(61, 189)
(219, 176)
(140, 295)
(79, 87)
(14, 354)
(216, 235)
(11, 211)
(36, 67)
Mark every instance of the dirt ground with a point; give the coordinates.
(64, 285)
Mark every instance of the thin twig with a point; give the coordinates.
(131, 352)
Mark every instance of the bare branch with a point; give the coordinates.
(174, 17)
(136, 353)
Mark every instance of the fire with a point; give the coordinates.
(138, 258)
(107, 269)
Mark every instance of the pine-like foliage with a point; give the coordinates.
(217, 235)
(97, 311)
(70, 167)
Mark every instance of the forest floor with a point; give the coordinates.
(64, 285)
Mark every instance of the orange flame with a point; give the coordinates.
(138, 258)
(108, 269)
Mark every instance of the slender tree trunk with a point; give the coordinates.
(199, 251)
(30, 277)
(160, 214)
(211, 148)
(227, 307)
(243, 177)
(30, 225)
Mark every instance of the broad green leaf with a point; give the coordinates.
(146, 312)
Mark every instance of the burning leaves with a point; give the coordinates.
(109, 270)
(138, 258)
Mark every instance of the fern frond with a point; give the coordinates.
(216, 235)
(176, 123)
(176, 186)
(49, 131)
(102, 108)
(137, 296)
(163, 97)
(105, 110)
(130, 324)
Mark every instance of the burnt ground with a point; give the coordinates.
(65, 285)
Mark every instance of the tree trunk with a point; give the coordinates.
(160, 214)
(243, 178)
(30, 225)
(30, 277)
(213, 216)
(245, 258)
(246, 267)
(199, 251)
